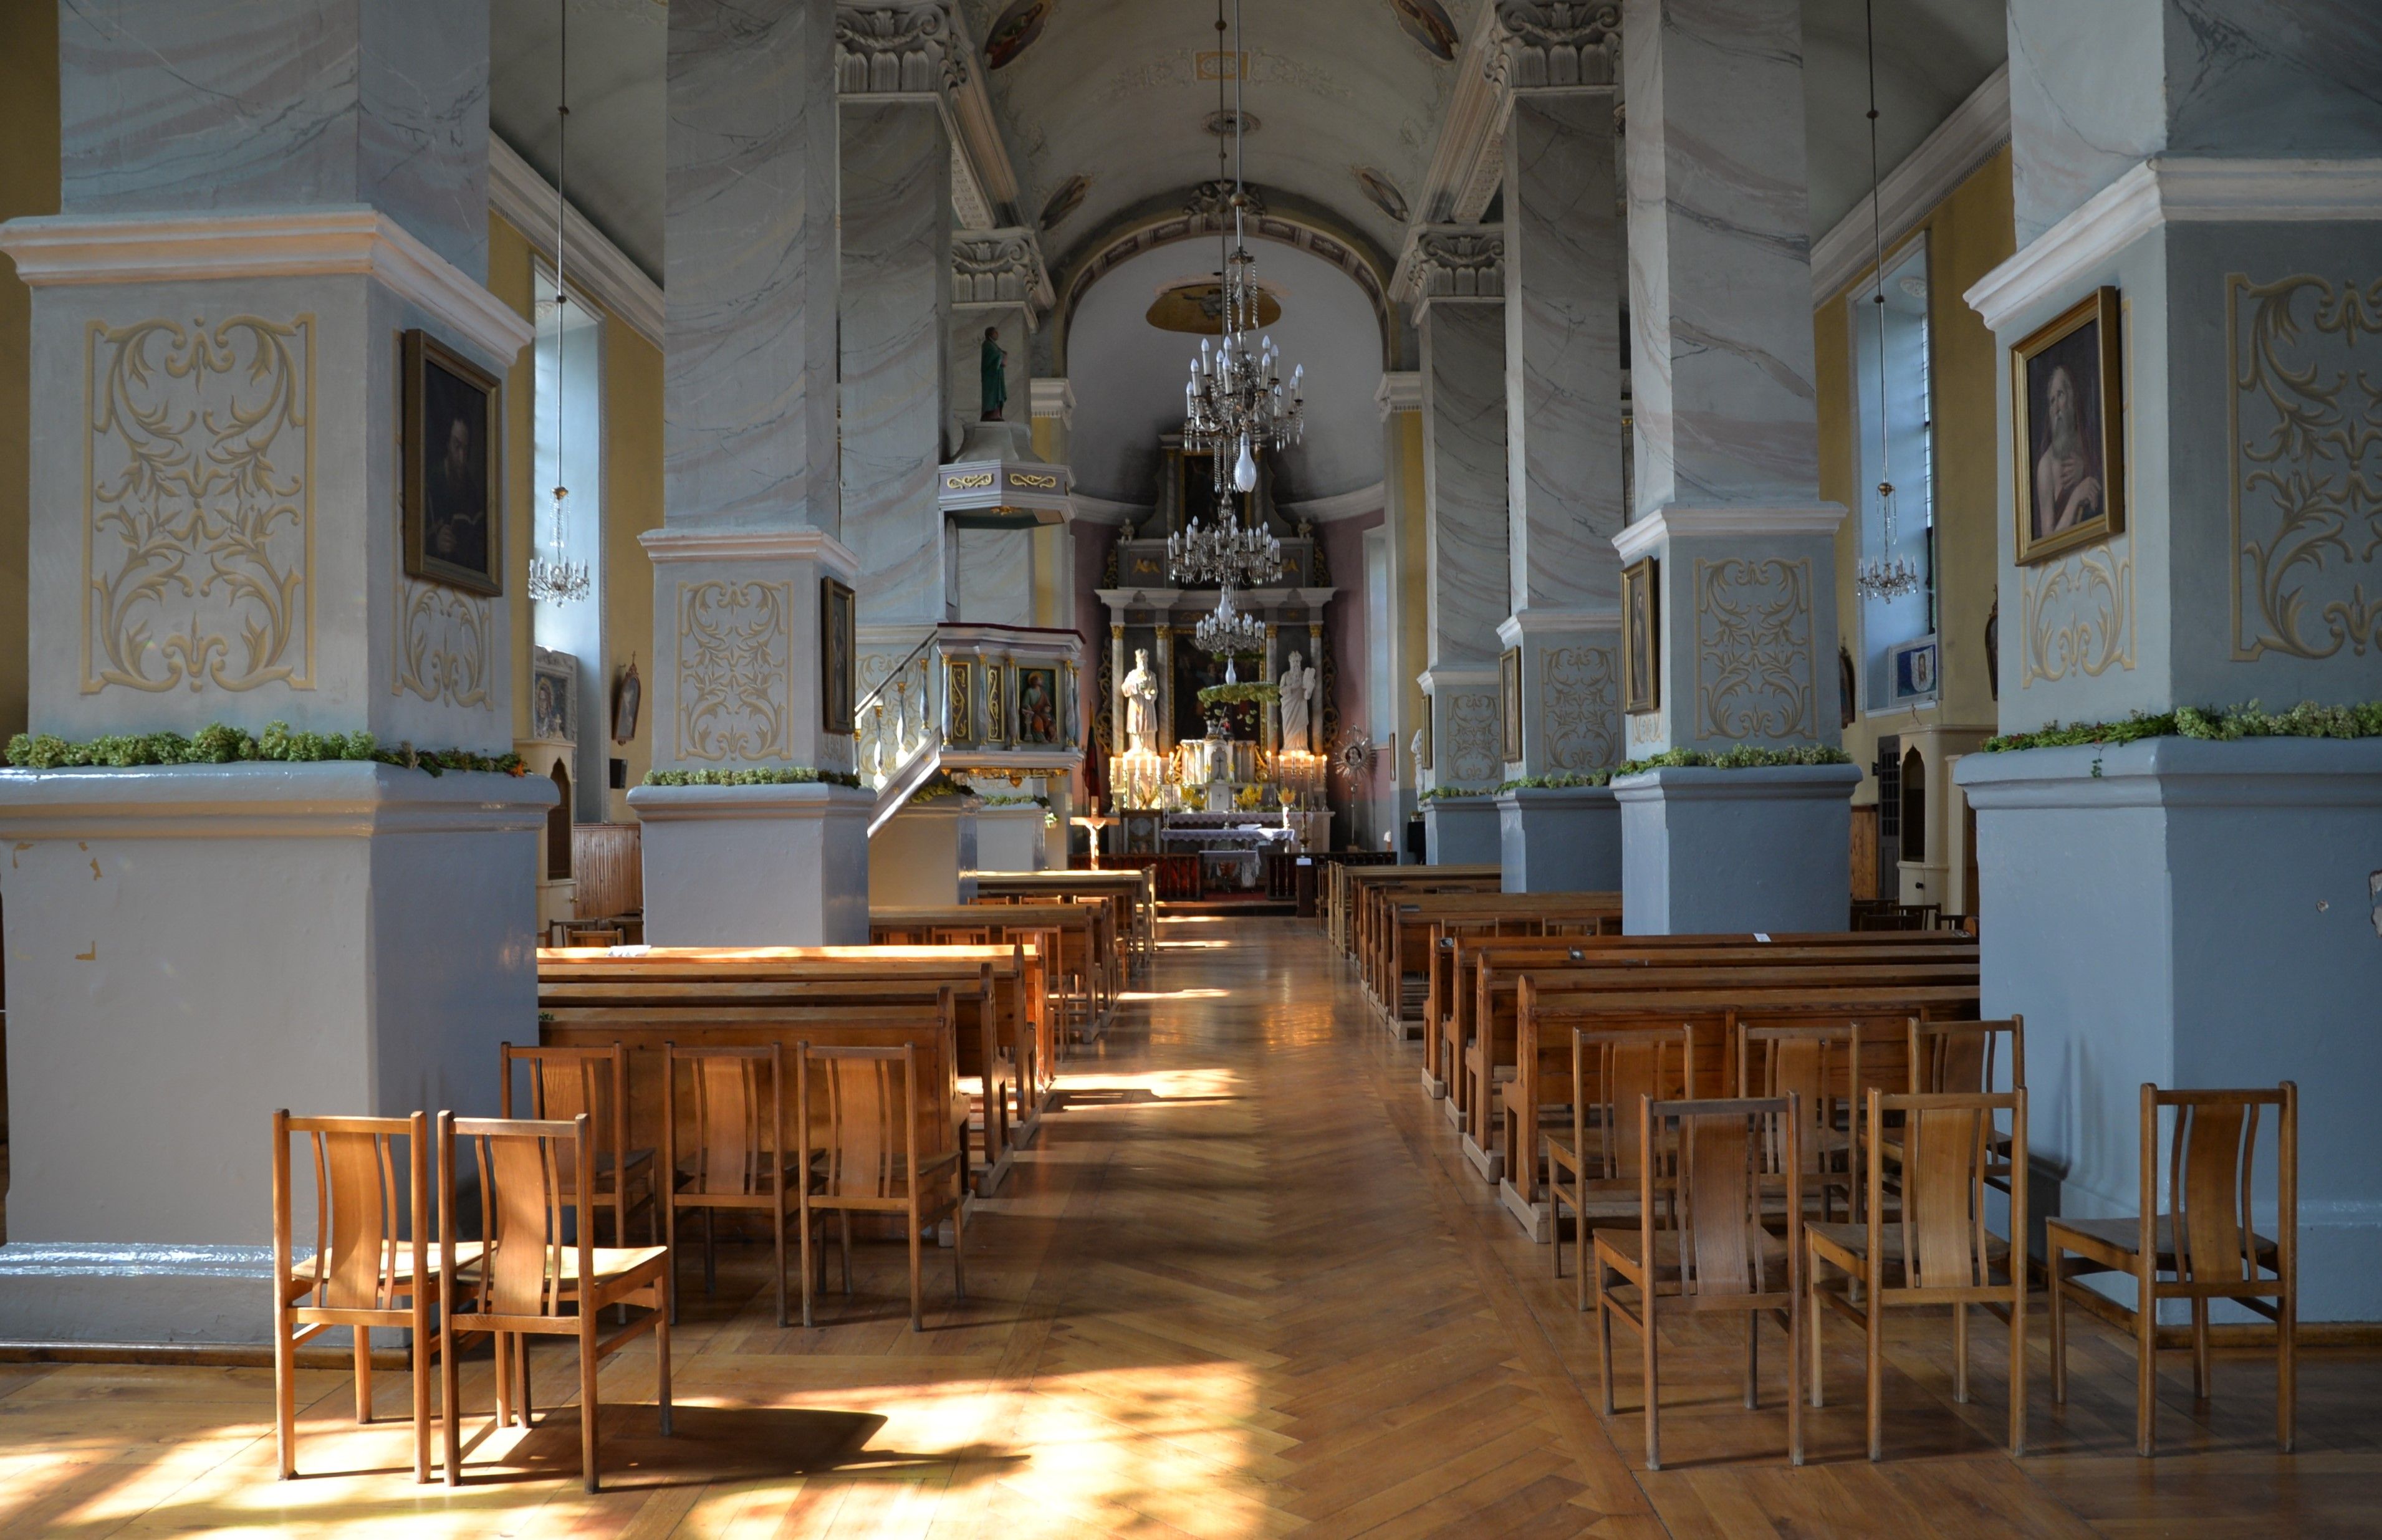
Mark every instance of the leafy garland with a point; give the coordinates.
(1009, 800)
(1556, 782)
(221, 744)
(1744, 756)
(1240, 693)
(797, 774)
(2208, 722)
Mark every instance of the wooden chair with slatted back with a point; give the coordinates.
(732, 1151)
(564, 1082)
(1611, 1069)
(1714, 1254)
(1811, 1062)
(537, 1270)
(1937, 1252)
(364, 1271)
(1969, 1055)
(2202, 1247)
(856, 1110)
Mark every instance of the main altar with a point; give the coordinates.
(1211, 775)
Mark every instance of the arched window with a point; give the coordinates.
(1914, 806)
(558, 829)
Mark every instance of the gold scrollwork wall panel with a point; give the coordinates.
(1754, 659)
(441, 645)
(735, 682)
(2306, 425)
(2078, 615)
(1579, 707)
(1472, 747)
(199, 505)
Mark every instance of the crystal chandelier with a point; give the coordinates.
(1886, 576)
(556, 580)
(1226, 553)
(1235, 401)
(1229, 633)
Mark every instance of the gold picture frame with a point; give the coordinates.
(1509, 699)
(838, 655)
(1641, 637)
(2066, 433)
(451, 479)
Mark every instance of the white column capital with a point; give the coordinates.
(1460, 262)
(899, 48)
(1553, 45)
(999, 268)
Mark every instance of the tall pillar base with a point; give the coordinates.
(1560, 840)
(1707, 850)
(925, 856)
(1008, 838)
(755, 865)
(2195, 914)
(190, 947)
(1461, 831)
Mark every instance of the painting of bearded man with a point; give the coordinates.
(2069, 462)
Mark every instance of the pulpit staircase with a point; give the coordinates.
(907, 728)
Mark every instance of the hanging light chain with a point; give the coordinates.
(1886, 575)
(559, 579)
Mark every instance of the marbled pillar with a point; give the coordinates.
(1562, 429)
(261, 200)
(1460, 317)
(1727, 470)
(752, 513)
(2197, 913)
(897, 203)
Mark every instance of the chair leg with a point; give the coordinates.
(363, 1373)
(285, 1394)
(1873, 1366)
(917, 1272)
(528, 1402)
(1603, 1341)
(2018, 1354)
(1960, 1354)
(588, 1404)
(1812, 1332)
(504, 1372)
(1653, 1386)
(1752, 1361)
(807, 1217)
(779, 1223)
(2287, 1378)
(662, 1370)
(669, 1243)
(450, 1397)
(2059, 1331)
(1794, 1380)
(2202, 1385)
(423, 1343)
(844, 1222)
(2147, 1358)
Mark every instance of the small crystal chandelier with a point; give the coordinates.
(1229, 633)
(1226, 553)
(556, 580)
(1236, 401)
(1886, 576)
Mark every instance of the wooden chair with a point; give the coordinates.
(853, 1106)
(1937, 1250)
(1611, 1070)
(1811, 1063)
(1714, 1255)
(364, 1272)
(2204, 1244)
(733, 1154)
(1966, 1057)
(564, 1082)
(537, 1270)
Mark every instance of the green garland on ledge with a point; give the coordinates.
(1556, 782)
(797, 775)
(1007, 800)
(2217, 723)
(221, 744)
(1745, 756)
(1240, 694)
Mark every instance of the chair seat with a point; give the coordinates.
(2124, 1236)
(1853, 1239)
(301, 1268)
(609, 1261)
(1625, 1246)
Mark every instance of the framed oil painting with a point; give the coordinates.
(838, 655)
(554, 690)
(2068, 438)
(1038, 707)
(1641, 638)
(1509, 697)
(452, 485)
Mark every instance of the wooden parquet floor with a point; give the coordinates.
(1244, 1285)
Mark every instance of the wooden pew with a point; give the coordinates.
(1377, 905)
(1085, 976)
(1541, 1081)
(1405, 950)
(1133, 894)
(1354, 884)
(998, 1016)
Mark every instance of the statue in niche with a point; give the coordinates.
(1298, 690)
(994, 368)
(1140, 704)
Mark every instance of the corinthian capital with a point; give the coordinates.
(1001, 267)
(1456, 262)
(906, 47)
(1555, 44)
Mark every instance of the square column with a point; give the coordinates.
(1742, 613)
(752, 484)
(259, 205)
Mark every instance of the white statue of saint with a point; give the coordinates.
(1413, 747)
(1140, 704)
(1298, 690)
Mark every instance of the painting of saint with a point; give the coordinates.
(453, 501)
(1064, 201)
(1641, 659)
(1427, 22)
(1015, 29)
(1383, 192)
(1037, 706)
(2069, 471)
(839, 654)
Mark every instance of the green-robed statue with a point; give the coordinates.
(995, 366)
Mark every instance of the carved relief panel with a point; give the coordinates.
(735, 685)
(1754, 663)
(1579, 708)
(1473, 755)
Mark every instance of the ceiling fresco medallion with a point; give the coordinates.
(1195, 305)
(1427, 22)
(1383, 192)
(1064, 201)
(1016, 29)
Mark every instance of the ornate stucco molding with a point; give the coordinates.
(1211, 200)
(1462, 262)
(1553, 45)
(899, 50)
(1002, 268)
